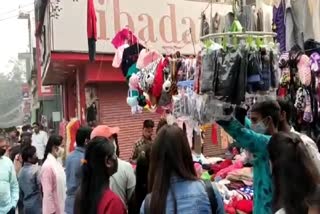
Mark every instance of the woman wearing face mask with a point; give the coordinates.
(94, 195)
(53, 178)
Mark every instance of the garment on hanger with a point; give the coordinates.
(125, 36)
(117, 59)
(146, 57)
(204, 25)
(247, 18)
(279, 24)
(315, 8)
(91, 30)
(299, 23)
(92, 113)
(130, 56)
(260, 20)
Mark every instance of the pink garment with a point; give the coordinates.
(224, 172)
(53, 181)
(198, 169)
(146, 57)
(62, 128)
(304, 70)
(117, 59)
(124, 36)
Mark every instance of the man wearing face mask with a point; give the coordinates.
(265, 118)
(73, 167)
(29, 182)
(9, 188)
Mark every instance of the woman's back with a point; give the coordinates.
(191, 198)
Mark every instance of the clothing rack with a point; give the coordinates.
(256, 34)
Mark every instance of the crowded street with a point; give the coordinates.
(160, 107)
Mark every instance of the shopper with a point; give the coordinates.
(142, 170)
(123, 181)
(94, 195)
(173, 182)
(29, 182)
(9, 188)
(146, 138)
(284, 125)
(265, 118)
(73, 167)
(162, 122)
(53, 178)
(294, 174)
(39, 140)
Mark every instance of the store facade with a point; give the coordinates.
(95, 91)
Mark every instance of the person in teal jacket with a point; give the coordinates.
(264, 122)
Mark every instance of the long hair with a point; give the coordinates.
(170, 156)
(54, 140)
(142, 170)
(294, 174)
(95, 179)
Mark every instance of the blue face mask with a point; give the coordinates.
(259, 127)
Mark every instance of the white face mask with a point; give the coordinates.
(259, 127)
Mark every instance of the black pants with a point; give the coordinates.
(12, 211)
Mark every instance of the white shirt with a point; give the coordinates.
(311, 147)
(123, 182)
(40, 141)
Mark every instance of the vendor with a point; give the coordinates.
(197, 148)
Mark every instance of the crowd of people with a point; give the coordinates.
(161, 176)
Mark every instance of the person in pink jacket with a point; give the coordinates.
(53, 178)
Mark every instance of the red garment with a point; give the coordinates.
(73, 130)
(245, 206)
(214, 134)
(158, 79)
(110, 203)
(282, 92)
(91, 21)
(218, 166)
(124, 36)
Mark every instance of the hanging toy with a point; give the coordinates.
(134, 81)
(150, 79)
(166, 86)
(132, 99)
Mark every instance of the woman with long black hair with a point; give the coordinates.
(94, 195)
(173, 182)
(53, 178)
(295, 177)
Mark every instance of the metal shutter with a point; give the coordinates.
(114, 111)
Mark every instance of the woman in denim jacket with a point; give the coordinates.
(173, 181)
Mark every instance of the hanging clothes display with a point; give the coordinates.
(300, 84)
